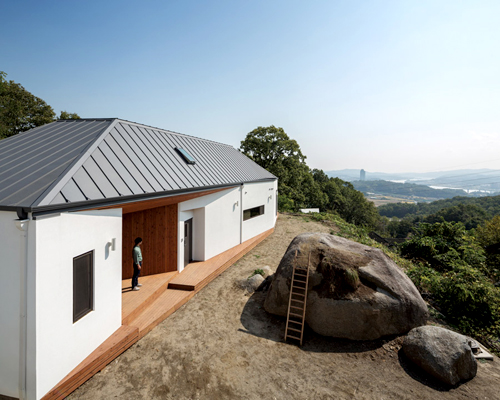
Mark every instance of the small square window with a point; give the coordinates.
(83, 285)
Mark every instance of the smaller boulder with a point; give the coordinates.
(252, 284)
(442, 353)
(267, 271)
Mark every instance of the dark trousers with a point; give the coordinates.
(135, 277)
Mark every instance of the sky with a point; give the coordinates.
(387, 86)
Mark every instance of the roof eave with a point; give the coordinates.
(89, 204)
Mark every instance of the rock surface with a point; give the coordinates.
(252, 284)
(355, 291)
(444, 354)
(267, 271)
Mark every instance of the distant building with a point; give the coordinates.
(362, 175)
(309, 210)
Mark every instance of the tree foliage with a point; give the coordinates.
(471, 215)
(452, 270)
(489, 237)
(300, 187)
(67, 115)
(20, 110)
(443, 245)
(272, 149)
(489, 204)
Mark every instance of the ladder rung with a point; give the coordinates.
(292, 337)
(293, 329)
(298, 308)
(295, 322)
(295, 315)
(298, 287)
(298, 294)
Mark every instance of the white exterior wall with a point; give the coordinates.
(11, 245)
(217, 219)
(255, 195)
(216, 224)
(61, 344)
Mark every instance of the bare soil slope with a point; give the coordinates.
(223, 345)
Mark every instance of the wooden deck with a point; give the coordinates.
(198, 274)
(135, 302)
(142, 310)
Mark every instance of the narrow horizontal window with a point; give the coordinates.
(185, 155)
(83, 285)
(253, 212)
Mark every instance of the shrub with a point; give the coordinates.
(258, 271)
(465, 295)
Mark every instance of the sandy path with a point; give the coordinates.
(223, 345)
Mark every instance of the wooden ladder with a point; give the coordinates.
(295, 319)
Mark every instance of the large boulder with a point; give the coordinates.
(355, 291)
(444, 354)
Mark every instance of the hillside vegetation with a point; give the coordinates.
(490, 204)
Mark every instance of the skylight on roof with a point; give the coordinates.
(185, 155)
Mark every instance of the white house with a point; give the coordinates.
(73, 196)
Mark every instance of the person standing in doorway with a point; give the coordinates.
(137, 255)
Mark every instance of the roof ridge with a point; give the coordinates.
(175, 133)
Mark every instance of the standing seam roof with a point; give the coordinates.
(73, 161)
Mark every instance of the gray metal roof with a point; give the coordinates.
(100, 160)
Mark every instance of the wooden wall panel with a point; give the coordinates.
(158, 229)
(171, 219)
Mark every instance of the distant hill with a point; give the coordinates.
(408, 190)
(486, 180)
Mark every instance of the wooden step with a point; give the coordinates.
(135, 302)
(293, 329)
(296, 322)
(116, 344)
(169, 302)
(293, 337)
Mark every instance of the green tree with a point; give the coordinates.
(298, 186)
(272, 149)
(67, 115)
(471, 215)
(20, 110)
(489, 237)
(342, 198)
(444, 245)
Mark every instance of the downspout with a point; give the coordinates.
(241, 212)
(22, 225)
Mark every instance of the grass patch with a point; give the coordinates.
(258, 271)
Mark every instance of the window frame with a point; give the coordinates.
(89, 291)
(188, 158)
(254, 212)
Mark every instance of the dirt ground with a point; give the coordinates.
(223, 345)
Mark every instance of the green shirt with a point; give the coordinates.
(137, 254)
